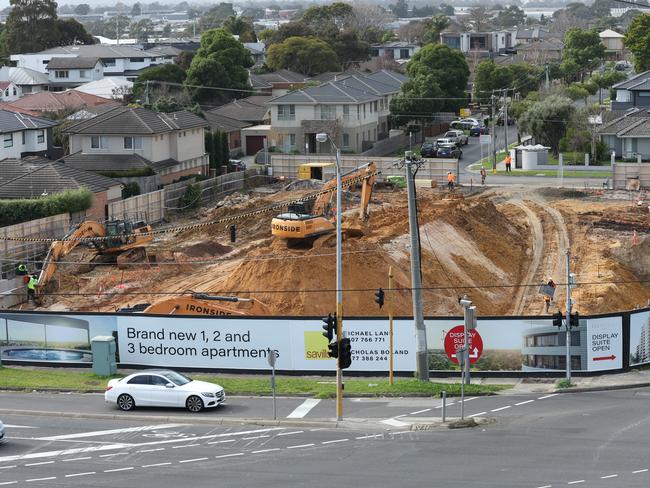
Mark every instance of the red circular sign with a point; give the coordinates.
(455, 339)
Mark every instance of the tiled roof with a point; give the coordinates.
(105, 162)
(14, 122)
(164, 51)
(624, 123)
(640, 129)
(280, 76)
(100, 51)
(164, 164)
(79, 62)
(633, 82)
(369, 85)
(388, 77)
(224, 124)
(330, 92)
(252, 109)
(47, 101)
(136, 121)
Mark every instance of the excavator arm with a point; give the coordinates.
(367, 172)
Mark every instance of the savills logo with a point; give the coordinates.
(315, 346)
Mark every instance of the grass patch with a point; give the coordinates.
(565, 384)
(554, 173)
(29, 379)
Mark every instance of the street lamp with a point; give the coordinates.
(323, 137)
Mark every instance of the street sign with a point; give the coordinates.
(485, 139)
(271, 357)
(455, 339)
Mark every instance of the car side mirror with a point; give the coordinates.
(169, 385)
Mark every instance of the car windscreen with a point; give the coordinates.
(177, 378)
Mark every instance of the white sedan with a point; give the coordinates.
(2, 431)
(163, 388)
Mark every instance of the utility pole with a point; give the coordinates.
(505, 118)
(494, 135)
(568, 315)
(548, 80)
(390, 324)
(422, 365)
(146, 93)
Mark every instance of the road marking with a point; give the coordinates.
(524, 403)
(114, 454)
(394, 422)
(639, 471)
(229, 455)
(75, 459)
(548, 396)
(335, 441)
(154, 465)
(470, 399)
(303, 409)
(575, 482)
(39, 464)
(420, 411)
(80, 474)
(185, 445)
(608, 476)
(476, 414)
(41, 479)
(300, 445)
(499, 409)
(265, 450)
(152, 450)
(369, 436)
(222, 442)
(118, 469)
(193, 460)
(11, 426)
(253, 438)
(448, 404)
(545, 486)
(291, 433)
(400, 416)
(96, 433)
(9, 483)
(8, 467)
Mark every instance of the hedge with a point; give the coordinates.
(26, 209)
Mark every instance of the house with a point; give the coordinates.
(278, 82)
(125, 61)
(397, 51)
(230, 126)
(527, 36)
(111, 87)
(483, 44)
(35, 177)
(28, 80)
(257, 51)
(24, 135)
(66, 73)
(613, 42)
(634, 92)
(128, 139)
(353, 110)
(628, 135)
(9, 91)
(56, 103)
(541, 52)
(252, 111)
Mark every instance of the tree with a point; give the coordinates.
(400, 9)
(480, 18)
(489, 76)
(82, 9)
(242, 27)
(167, 30)
(376, 35)
(136, 10)
(338, 13)
(31, 26)
(366, 18)
(285, 31)
(435, 25)
(577, 91)
(348, 48)
(637, 40)
(214, 17)
(547, 120)
(437, 81)
(142, 30)
(606, 80)
(511, 16)
(184, 59)
(584, 48)
(70, 31)
(309, 56)
(220, 61)
(171, 73)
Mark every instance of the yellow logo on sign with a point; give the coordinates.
(315, 346)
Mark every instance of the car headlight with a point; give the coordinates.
(208, 394)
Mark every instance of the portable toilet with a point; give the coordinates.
(103, 349)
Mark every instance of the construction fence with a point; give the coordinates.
(149, 207)
(630, 176)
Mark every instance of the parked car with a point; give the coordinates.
(466, 123)
(163, 388)
(500, 118)
(444, 140)
(479, 130)
(428, 150)
(458, 136)
(2, 431)
(236, 165)
(622, 65)
(449, 151)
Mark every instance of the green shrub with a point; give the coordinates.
(190, 198)
(23, 210)
(130, 190)
(131, 173)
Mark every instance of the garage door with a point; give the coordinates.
(254, 144)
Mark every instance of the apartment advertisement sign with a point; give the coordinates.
(604, 344)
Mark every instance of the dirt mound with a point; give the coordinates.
(206, 249)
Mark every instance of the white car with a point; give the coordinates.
(163, 388)
(2, 431)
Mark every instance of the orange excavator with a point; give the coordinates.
(122, 238)
(301, 223)
(193, 303)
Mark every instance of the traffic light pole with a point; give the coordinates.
(568, 315)
(390, 324)
(339, 287)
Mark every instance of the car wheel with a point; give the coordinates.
(194, 404)
(125, 402)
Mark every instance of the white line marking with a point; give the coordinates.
(448, 404)
(369, 436)
(222, 442)
(335, 441)
(476, 414)
(401, 432)
(470, 399)
(300, 445)
(11, 426)
(291, 433)
(185, 445)
(609, 476)
(80, 474)
(9, 483)
(400, 416)
(39, 464)
(265, 450)
(420, 411)
(118, 469)
(75, 459)
(575, 482)
(303, 409)
(545, 486)
(154, 465)
(152, 450)
(192, 460)
(229, 455)
(8, 467)
(639, 471)
(499, 409)
(548, 396)
(42, 479)
(394, 423)
(114, 454)
(253, 438)
(79, 435)
(524, 403)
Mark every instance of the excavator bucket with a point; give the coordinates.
(133, 255)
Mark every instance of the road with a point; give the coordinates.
(590, 439)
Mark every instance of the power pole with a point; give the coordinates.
(146, 93)
(548, 80)
(494, 135)
(422, 365)
(505, 118)
(568, 315)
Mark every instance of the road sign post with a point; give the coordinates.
(271, 358)
(390, 325)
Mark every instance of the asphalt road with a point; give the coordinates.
(589, 439)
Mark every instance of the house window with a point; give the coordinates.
(23, 136)
(15, 93)
(346, 140)
(132, 142)
(292, 141)
(346, 112)
(358, 111)
(40, 137)
(364, 110)
(286, 112)
(375, 105)
(9, 140)
(83, 73)
(98, 142)
(374, 53)
(404, 54)
(327, 112)
(61, 73)
(136, 60)
(109, 61)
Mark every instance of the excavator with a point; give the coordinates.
(192, 303)
(123, 238)
(299, 223)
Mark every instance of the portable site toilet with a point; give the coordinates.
(103, 349)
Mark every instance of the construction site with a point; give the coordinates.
(496, 244)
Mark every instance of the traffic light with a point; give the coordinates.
(333, 349)
(574, 320)
(379, 298)
(557, 319)
(329, 327)
(345, 353)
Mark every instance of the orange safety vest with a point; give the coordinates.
(451, 178)
(508, 160)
